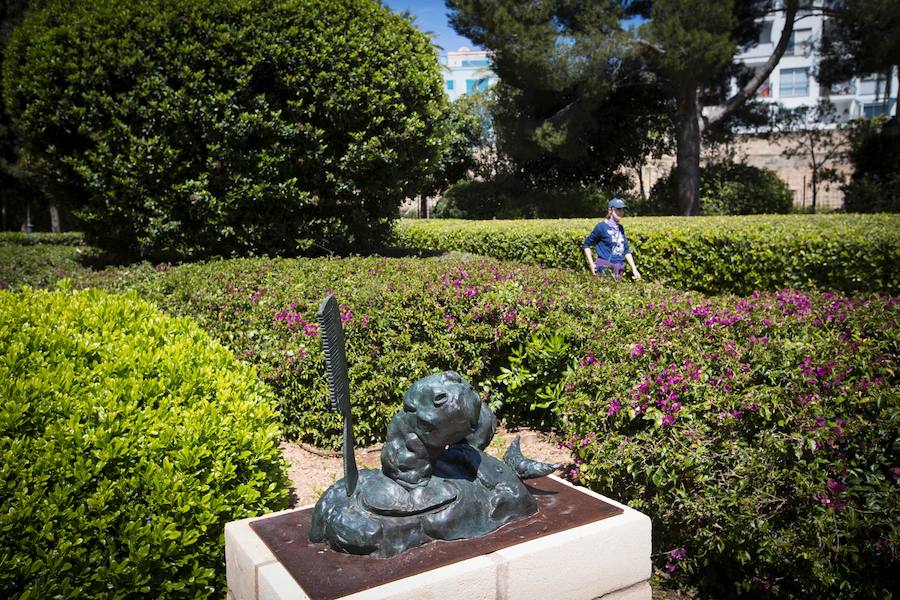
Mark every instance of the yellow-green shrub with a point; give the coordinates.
(128, 438)
(848, 253)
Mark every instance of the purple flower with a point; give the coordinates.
(614, 407)
(637, 351)
(835, 486)
(668, 420)
(679, 553)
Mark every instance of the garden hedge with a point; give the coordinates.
(847, 253)
(759, 433)
(189, 128)
(128, 438)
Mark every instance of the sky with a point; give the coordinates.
(431, 15)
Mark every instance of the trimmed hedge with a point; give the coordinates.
(758, 433)
(128, 439)
(190, 128)
(847, 253)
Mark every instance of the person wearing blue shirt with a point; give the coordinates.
(611, 243)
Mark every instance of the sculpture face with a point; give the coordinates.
(445, 407)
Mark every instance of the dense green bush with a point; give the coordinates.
(726, 188)
(404, 319)
(40, 260)
(875, 153)
(198, 127)
(759, 434)
(506, 197)
(750, 415)
(848, 253)
(128, 439)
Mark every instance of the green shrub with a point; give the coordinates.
(27, 262)
(759, 434)
(875, 153)
(70, 238)
(848, 253)
(726, 188)
(506, 197)
(195, 127)
(404, 319)
(128, 439)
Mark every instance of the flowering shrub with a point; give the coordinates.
(740, 255)
(760, 434)
(403, 319)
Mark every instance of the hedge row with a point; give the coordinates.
(846, 253)
(128, 439)
(758, 433)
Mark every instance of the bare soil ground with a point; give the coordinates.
(313, 470)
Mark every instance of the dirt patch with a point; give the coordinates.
(313, 470)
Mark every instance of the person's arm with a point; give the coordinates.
(590, 260)
(630, 260)
(591, 240)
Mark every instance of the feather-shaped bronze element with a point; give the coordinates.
(338, 381)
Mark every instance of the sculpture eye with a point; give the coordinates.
(440, 398)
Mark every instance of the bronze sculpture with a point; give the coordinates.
(435, 482)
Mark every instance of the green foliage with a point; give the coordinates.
(850, 253)
(470, 136)
(863, 37)
(568, 110)
(506, 197)
(523, 386)
(128, 439)
(726, 188)
(875, 153)
(759, 434)
(197, 127)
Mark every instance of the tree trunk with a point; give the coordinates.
(54, 216)
(423, 206)
(687, 168)
(815, 184)
(640, 178)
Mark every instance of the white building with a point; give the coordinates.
(466, 71)
(793, 83)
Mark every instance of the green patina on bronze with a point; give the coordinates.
(435, 482)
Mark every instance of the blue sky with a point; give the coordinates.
(431, 15)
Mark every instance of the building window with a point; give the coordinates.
(794, 82)
(872, 85)
(765, 34)
(449, 85)
(481, 62)
(873, 110)
(799, 43)
(473, 85)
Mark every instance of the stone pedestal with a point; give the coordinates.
(580, 545)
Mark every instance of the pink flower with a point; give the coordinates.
(614, 407)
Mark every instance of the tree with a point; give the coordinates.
(815, 135)
(190, 128)
(470, 140)
(861, 37)
(571, 56)
(691, 44)
(875, 154)
(571, 96)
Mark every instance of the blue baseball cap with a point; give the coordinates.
(616, 203)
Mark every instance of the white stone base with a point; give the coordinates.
(607, 559)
